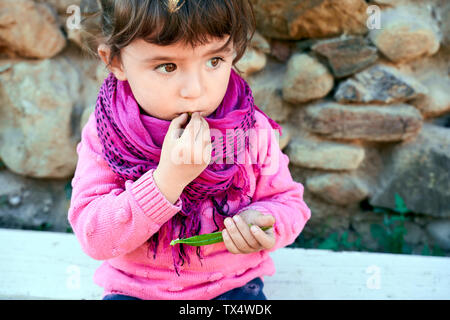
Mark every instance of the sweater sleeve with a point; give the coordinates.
(275, 192)
(107, 219)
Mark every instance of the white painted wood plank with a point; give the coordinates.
(323, 274)
(48, 265)
(45, 265)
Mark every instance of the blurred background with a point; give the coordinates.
(361, 89)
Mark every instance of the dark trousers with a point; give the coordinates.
(253, 290)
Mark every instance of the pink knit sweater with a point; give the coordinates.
(113, 224)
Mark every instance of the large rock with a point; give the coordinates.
(408, 32)
(27, 203)
(306, 79)
(286, 137)
(372, 123)
(85, 116)
(260, 43)
(439, 231)
(93, 73)
(437, 101)
(29, 29)
(346, 56)
(433, 74)
(439, 10)
(339, 188)
(252, 61)
(443, 10)
(266, 87)
(326, 215)
(311, 152)
(418, 171)
(379, 84)
(310, 18)
(37, 129)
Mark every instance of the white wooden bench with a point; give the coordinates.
(49, 265)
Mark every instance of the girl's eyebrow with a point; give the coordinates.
(165, 58)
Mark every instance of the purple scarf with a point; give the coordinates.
(132, 140)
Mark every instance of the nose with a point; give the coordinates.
(192, 86)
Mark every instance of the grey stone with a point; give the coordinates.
(252, 61)
(419, 172)
(346, 56)
(306, 79)
(371, 123)
(29, 29)
(439, 231)
(33, 203)
(266, 87)
(39, 102)
(307, 151)
(339, 188)
(437, 101)
(379, 84)
(408, 32)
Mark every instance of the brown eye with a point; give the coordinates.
(169, 67)
(215, 61)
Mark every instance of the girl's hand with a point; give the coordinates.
(239, 237)
(184, 157)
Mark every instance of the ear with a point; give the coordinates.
(116, 66)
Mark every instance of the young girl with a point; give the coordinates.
(131, 196)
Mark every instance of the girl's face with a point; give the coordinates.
(169, 80)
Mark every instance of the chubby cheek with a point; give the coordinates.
(153, 99)
(219, 88)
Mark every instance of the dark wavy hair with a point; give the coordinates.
(117, 23)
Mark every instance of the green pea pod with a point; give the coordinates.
(204, 239)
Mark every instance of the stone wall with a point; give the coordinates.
(365, 110)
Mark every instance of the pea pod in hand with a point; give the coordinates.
(204, 239)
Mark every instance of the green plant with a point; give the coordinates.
(391, 233)
(302, 242)
(334, 241)
(340, 242)
(204, 239)
(435, 251)
(68, 190)
(4, 200)
(44, 226)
